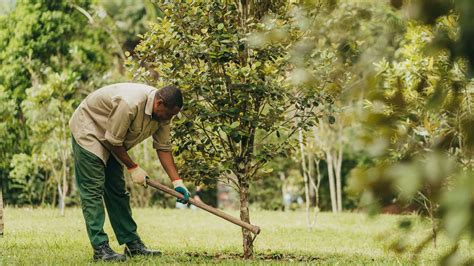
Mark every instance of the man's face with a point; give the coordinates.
(162, 113)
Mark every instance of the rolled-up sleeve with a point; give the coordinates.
(161, 137)
(118, 122)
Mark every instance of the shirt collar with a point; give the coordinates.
(149, 102)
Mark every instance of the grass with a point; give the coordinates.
(42, 236)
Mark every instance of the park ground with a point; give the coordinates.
(42, 236)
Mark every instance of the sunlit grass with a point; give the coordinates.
(42, 236)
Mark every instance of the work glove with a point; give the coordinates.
(138, 175)
(179, 187)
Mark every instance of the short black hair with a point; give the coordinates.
(171, 96)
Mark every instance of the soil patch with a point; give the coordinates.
(259, 256)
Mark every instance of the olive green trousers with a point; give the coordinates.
(98, 184)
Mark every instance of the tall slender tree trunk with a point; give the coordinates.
(316, 189)
(337, 170)
(245, 216)
(64, 188)
(61, 200)
(1, 212)
(65, 168)
(311, 173)
(305, 177)
(332, 188)
(283, 189)
(45, 190)
(63, 194)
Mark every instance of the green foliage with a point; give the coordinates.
(52, 54)
(236, 95)
(412, 107)
(419, 106)
(24, 179)
(127, 19)
(267, 192)
(330, 62)
(8, 116)
(48, 55)
(430, 12)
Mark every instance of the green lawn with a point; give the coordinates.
(41, 236)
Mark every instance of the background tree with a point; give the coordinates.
(44, 68)
(236, 96)
(417, 124)
(330, 62)
(83, 44)
(413, 104)
(310, 185)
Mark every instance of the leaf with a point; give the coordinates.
(235, 124)
(267, 170)
(331, 119)
(430, 64)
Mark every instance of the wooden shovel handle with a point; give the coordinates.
(201, 205)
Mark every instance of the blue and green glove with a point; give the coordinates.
(179, 187)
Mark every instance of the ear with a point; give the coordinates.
(158, 101)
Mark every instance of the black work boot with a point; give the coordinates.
(137, 247)
(105, 253)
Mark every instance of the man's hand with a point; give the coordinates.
(179, 187)
(138, 175)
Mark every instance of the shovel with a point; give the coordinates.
(252, 228)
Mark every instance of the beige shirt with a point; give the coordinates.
(118, 114)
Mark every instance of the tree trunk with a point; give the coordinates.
(245, 216)
(332, 188)
(316, 189)
(63, 190)
(337, 170)
(1, 212)
(64, 185)
(283, 189)
(61, 200)
(311, 173)
(45, 189)
(305, 177)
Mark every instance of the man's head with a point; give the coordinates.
(168, 102)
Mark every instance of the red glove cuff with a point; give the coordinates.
(133, 167)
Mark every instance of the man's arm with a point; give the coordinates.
(136, 172)
(167, 161)
(123, 156)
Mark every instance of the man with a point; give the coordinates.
(106, 124)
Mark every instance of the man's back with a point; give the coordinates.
(117, 114)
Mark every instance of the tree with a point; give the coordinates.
(48, 108)
(43, 70)
(330, 62)
(418, 109)
(310, 186)
(236, 94)
(82, 43)
(330, 140)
